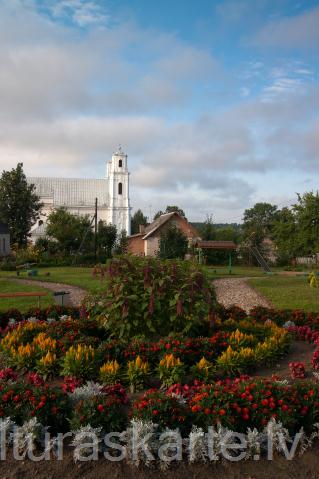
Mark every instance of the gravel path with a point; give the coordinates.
(236, 291)
(75, 297)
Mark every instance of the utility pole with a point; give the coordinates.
(95, 231)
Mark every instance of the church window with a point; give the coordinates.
(120, 163)
(120, 188)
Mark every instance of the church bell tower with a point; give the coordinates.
(118, 180)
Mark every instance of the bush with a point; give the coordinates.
(22, 401)
(163, 409)
(153, 298)
(243, 403)
(106, 410)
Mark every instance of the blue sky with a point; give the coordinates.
(215, 102)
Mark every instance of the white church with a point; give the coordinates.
(77, 195)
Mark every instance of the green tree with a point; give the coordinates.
(258, 223)
(285, 235)
(122, 243)
(70, 231)
(106, 238)
(173, 244)
(137, 219)
(19, 204)
(295, 230)
(228, 233)
(307, 217)
(170, 209)
(208, 231)
(47, 246)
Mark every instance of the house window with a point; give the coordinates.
(120, 163)
(120, 188)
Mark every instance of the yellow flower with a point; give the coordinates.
(138, 364)
(203, 364)
(44, 342)
(48, 360)
(169, 361)
(110, 368)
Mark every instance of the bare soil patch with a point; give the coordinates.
(305, 466)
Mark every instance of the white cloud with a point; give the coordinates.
(290, 32)
(244, 92)
(82, 12)
(67, 99)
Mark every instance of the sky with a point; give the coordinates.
(215, 102)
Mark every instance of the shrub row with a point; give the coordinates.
(236, 404)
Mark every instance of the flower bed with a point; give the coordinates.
(186, 374)
(236, 404)
(81, 348)
(12, 316)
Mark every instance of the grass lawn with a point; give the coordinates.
(81, 277)
(288, 292)
(237, 271)
(23, 304)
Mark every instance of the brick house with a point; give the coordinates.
(146, 242)
(4, 240)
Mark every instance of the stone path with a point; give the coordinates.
(236, 291)
(75, 297)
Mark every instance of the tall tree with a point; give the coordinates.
(170, 209)
(70, 231)
(121, 243)
(307, 215)
(258, 223)
(286, 236)
(19, 204)
(173, 244)
(137, 219)
(106, 238)
(208, 231)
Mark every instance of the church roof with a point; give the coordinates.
(72, 191)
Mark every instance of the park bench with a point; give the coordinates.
(25, 295)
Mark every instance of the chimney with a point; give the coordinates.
(141, 229)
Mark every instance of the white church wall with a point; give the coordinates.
(78, 195)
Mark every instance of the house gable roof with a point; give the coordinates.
(163, 219)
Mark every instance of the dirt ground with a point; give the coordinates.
(305, 466)
(299, 351)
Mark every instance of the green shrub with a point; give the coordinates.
(153, 298)
(106, 410)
